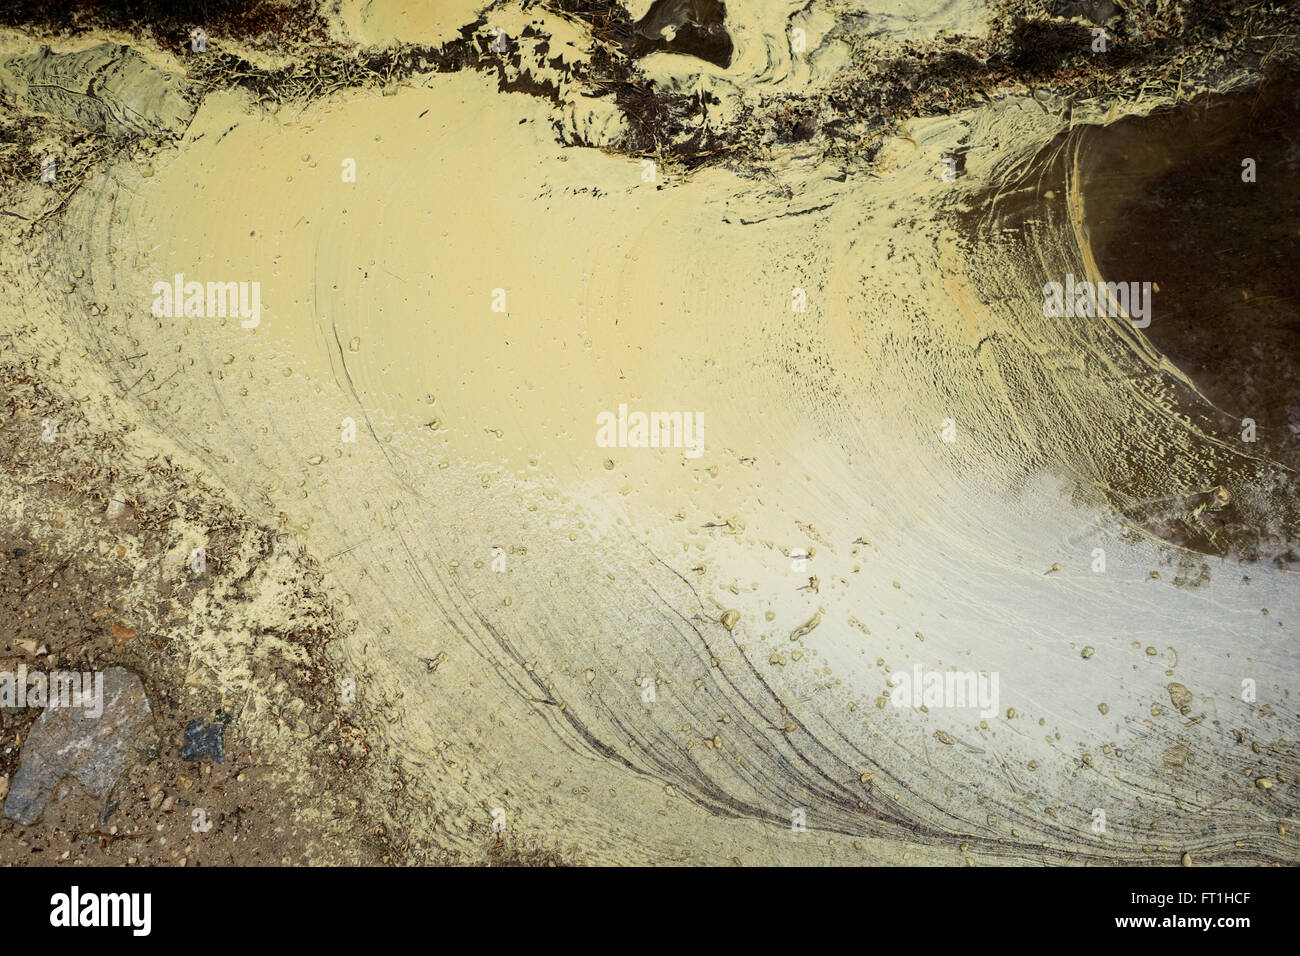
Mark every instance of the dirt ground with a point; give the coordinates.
(95, 571)
(85, 583)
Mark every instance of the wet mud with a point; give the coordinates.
(477, 237)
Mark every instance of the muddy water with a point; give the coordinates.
(1161, 200)
(383, 22)
(1203, 201)
(879, 390)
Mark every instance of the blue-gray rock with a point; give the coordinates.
(203, 740)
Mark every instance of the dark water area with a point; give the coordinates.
(690, 27)
(1167, 199)
(1161, 199)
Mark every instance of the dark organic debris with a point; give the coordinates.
(1041, 47)
(267, 25)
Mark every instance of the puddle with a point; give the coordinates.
(690, 27)
(1164, 199)
(1158, 203)
(897, 458)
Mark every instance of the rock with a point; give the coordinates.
(1098, 11)
(203, 740)
(66, 742)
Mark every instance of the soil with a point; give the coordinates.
(80, 590)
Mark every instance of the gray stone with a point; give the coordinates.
(96, 751)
